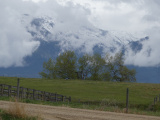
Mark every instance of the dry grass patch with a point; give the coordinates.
(16, 111)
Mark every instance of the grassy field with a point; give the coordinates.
(141, 95)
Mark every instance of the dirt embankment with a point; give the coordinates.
(65, 113)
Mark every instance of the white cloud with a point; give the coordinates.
(36, 1)
(123, 15)
(134, 16)
(15, 42)
(149, 55)
(140, 17)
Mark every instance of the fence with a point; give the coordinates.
(32, 94)
(156, 99)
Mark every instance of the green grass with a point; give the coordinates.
(5, 116)
(139, 93)
(94, 94)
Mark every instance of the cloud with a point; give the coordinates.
(138, 17)
(122, 15)
(15, 42)
(149, 55)
(36, 1)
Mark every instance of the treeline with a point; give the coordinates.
(88, 67)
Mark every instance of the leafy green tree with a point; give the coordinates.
(118, 71)
(97, 67)
(84, 66)
(116, 65)
(65, 66)
(92, 67)
(48, 70)
(127, 75)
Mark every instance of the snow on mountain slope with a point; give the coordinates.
(85, 38)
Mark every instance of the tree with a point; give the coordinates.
(97, 67)
(84, 66)
(91, 67)
(118, 71)
(127, 75)
(65, 66)
(115, 65)
(48, 70)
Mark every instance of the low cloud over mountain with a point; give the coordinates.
(85, 26)
(138, 18)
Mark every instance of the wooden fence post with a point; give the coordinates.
(9, 91)
(62, 98)
(127, 100)
(44, 96)
(49, 96)
(2, 89)
(17, 89)
(22, 92)
(27, 93)
(41, 95)
(56, 97)
(154, 101)
(69, 98)
(33, 94)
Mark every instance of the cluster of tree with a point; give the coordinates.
(90, 67)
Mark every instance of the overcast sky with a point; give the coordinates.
(139, 17)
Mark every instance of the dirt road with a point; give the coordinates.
(65, 113)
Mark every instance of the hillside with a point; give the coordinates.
(92, 91)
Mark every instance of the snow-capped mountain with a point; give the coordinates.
(84, 37)
(55, 37)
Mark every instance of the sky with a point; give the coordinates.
(138, 17)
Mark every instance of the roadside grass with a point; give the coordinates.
(97, 95)
(7, 116)
(16, 111)
(102, 106)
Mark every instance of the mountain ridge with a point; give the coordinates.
(85, 39)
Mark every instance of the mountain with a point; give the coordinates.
(55, 37)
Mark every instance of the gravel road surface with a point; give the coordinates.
(66, 113)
